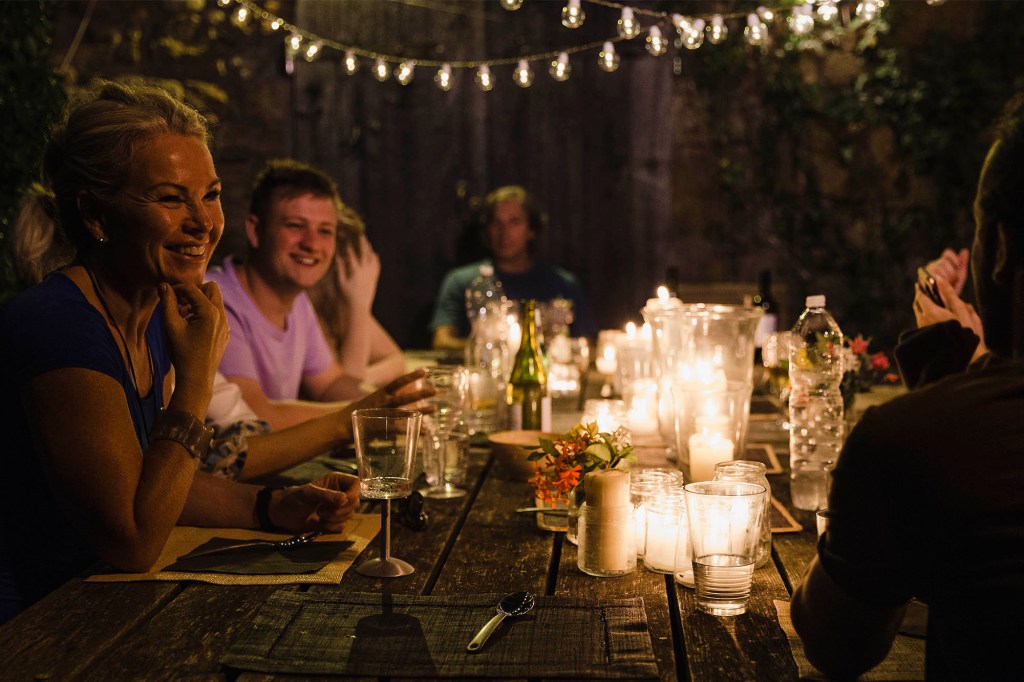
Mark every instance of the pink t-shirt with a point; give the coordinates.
(278, 359)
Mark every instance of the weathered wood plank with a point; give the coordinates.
(652, 587)
(498, 550)
(66, 632)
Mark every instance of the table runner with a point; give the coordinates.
(371, 635)
(904, 662)
(359, 530)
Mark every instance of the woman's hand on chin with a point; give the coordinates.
(197, 332)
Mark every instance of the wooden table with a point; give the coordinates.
(475, 544)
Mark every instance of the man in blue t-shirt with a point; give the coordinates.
(511, 222)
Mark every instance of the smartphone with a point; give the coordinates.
(926, 283)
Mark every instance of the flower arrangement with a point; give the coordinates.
(862, 369)
(561, 463)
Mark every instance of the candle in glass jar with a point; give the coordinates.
(660, 547)
(643, 406)
(707, 448)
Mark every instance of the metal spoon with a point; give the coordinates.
(514, 604)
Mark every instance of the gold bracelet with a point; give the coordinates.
(184, 429)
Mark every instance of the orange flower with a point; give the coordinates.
(859, 345)
(879, 361)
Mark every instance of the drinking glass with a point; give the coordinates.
(385, 440)
(725, 523)
(775, 358)
(446, 464)
(451, 385)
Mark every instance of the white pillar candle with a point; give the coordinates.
(660, 548)
(643, 406)
(609, 531)
(707, 448)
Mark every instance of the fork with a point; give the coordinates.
(290, 543)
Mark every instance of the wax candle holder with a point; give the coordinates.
(710, 426)
(645, 485)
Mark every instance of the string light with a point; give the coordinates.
(404, 73)
(523, 75)
(755, 33)
(800, 20)
(656, 45)
(627, 25)
(827, 11)
(312, 51)
(351, 63)
(717, 31)
(444, 77)
(572, 14)
(691, 35)
(483, 78)
(867, 10)
(608, 58)
(560, 68)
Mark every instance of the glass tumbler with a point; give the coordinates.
(752, 472)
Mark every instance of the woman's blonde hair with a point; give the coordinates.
(37, 246)
(92, 147)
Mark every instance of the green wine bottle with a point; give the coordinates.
(528, 400)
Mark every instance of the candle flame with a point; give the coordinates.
(630, 330)
(663, 294)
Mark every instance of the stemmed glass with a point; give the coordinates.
(775, 358)
(451, 385)
(385, 449)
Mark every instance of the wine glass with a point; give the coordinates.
(451, 385)
(385, 440)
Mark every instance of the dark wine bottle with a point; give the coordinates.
(529, 403)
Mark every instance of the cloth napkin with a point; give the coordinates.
(904, 662)
(371, 635)
(322, 562)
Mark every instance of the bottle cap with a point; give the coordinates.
(816, 301)
(487, 270)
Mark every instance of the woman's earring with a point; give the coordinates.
(101, 240)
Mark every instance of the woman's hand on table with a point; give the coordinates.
(323, 504)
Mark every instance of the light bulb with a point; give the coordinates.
(933, 3)
(627, 26)
(444, 77)
(717, 31)
(694, 37)
(755, 33)
(767, 16)
(560, 68)
(523, 75)
(404, 73)
(827, 11)
(656, 44)
(572, 14)
(608, 58)
(800, 20)
(223, 3)
(275, 24)
(511, 5)
(380, 70)
(867, 10)
(351, 63)
(483, 78)
(293, 42)
(241, 16)
(681, 23)
(312, 51)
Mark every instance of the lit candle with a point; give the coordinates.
(606, 360)
(643, 406)
(707, 448)
(608, 414)
(662, 534)
(515, 334)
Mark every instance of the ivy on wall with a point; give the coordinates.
(31, 97)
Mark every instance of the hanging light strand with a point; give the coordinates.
(300, 40)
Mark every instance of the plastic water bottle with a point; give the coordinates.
(815, 404)
(483, 293)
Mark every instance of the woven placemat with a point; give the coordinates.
(904, 662)
(359, 530)
(371, 635)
